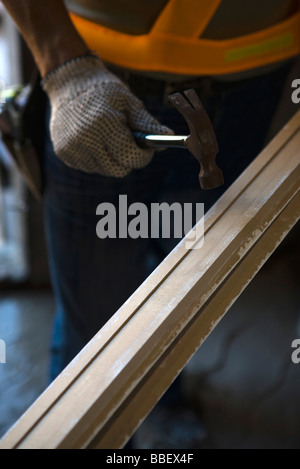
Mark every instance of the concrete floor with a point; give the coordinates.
(241, 387)
(25, 326)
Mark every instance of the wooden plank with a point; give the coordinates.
(91, 400)
(161, 376)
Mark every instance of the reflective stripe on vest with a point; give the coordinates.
(174, 44)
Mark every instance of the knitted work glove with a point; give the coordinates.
(93, 117)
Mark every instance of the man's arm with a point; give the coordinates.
(48, 31)
(90, 106)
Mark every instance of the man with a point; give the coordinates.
(95, 108)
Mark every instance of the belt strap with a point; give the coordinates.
(185, 17)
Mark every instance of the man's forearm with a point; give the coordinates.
(47, 29)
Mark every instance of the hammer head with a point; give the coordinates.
(202, 141)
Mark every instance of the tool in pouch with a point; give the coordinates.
(201, 142)
(18, 121)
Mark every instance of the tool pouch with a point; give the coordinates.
(22, 131)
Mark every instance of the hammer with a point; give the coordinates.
(201, 142)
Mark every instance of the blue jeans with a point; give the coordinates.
(92, 277)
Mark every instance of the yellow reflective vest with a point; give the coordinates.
(175, 44)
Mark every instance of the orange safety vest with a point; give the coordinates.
(174, 44)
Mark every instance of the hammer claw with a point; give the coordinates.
(192, 96)
(202, 141)
(181, 104)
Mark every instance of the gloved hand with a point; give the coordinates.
(93, 117)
